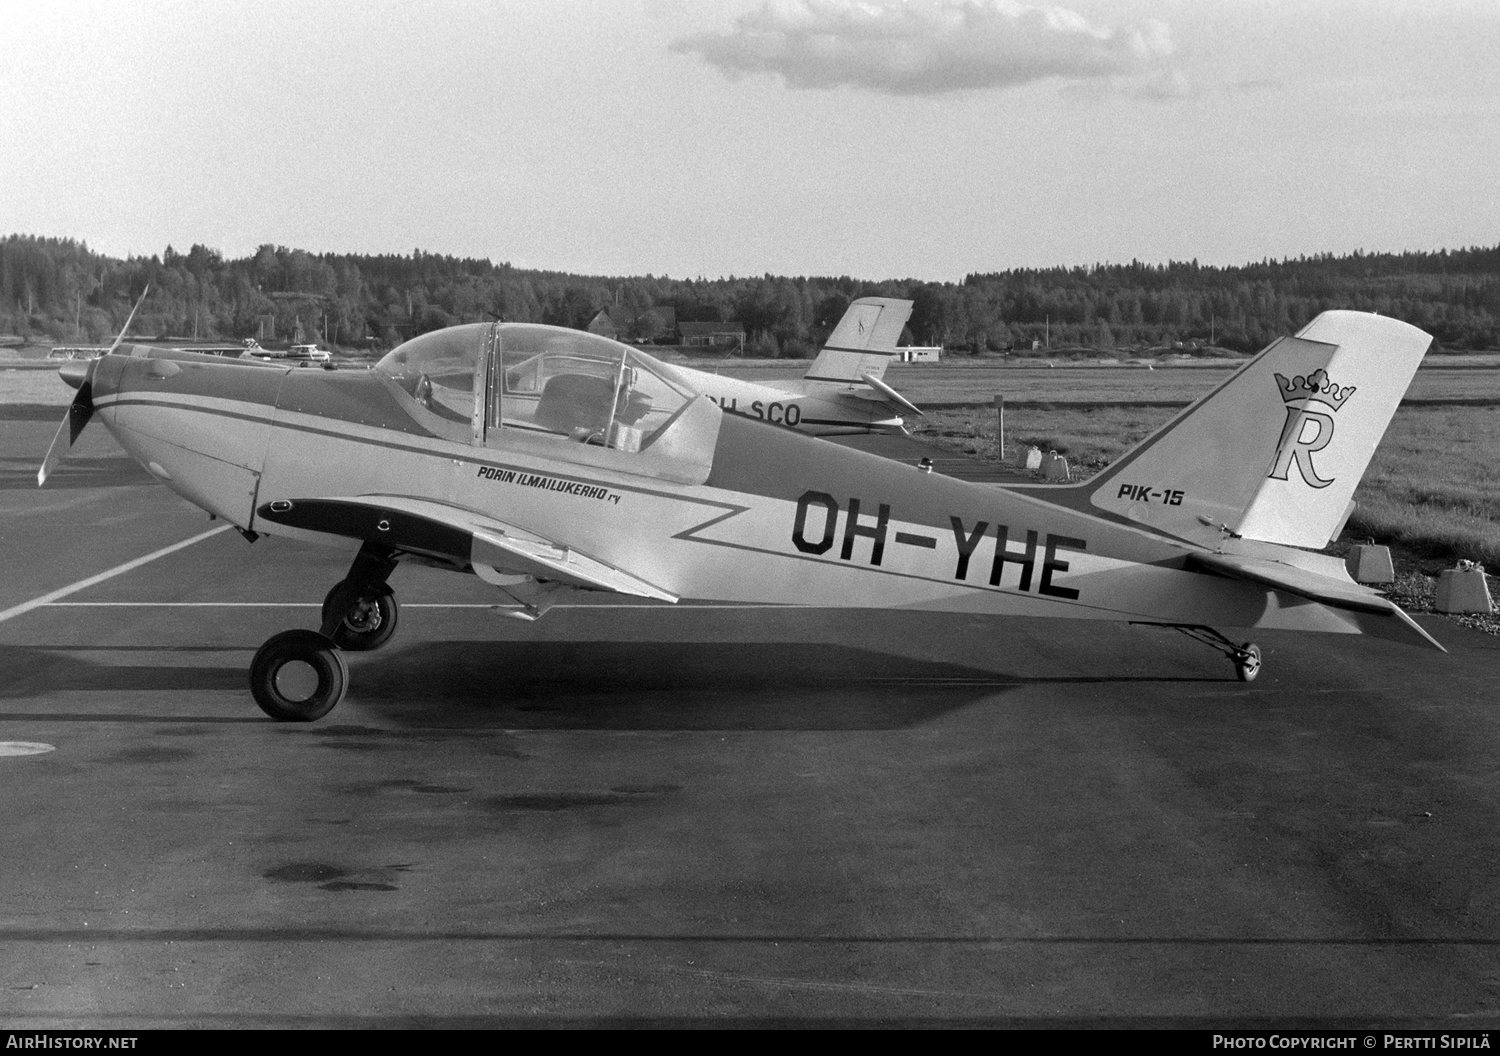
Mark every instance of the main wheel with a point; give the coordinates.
(1247, 662)
(298, 676)
(369, 620)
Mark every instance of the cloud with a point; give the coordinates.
(928, 47)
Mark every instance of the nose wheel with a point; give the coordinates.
(300, 675)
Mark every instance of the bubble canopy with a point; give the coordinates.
(539, 378)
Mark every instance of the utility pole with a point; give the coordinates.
(1000, 407)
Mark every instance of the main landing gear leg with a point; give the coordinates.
(359, 613)
(1245, 657)
(299, 676)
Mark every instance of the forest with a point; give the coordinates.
(57, 290)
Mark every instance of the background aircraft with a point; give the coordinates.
(549, 461)
(842, 392)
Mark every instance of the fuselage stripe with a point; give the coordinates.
(467, 454)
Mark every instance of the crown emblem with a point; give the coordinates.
(1317, 385)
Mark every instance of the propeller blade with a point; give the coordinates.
(82, 407)
(80, 410)
(129, 319)
(79, 413)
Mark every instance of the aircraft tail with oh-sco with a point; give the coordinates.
(843, 392)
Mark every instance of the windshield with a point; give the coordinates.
(437, 369)
(542, 378)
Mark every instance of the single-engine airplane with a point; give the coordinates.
(844, 390)
(551, 462)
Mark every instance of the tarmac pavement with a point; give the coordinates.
(706, 816)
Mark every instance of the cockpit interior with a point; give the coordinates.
(541, 379)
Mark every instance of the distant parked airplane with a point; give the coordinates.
(842, 392)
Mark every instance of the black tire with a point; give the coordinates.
(1247, 662)
(284, 702)
(370, 620)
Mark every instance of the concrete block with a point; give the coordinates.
(1463, 589)
(1055, 467)
(1033, 458)
(1370, 564)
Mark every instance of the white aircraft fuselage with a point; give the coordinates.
(505, 468)
(807, 407)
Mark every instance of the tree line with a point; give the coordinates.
(58, 290)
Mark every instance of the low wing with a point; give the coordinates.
(1303, 583)
(511, 550)
(461, 536)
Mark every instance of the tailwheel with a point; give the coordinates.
(298, 676)
(369, 615)
(1245, 657)
(1247, 662)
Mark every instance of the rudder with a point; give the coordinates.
(863, 342)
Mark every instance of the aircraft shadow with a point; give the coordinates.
(662, 686)
(33, 672)
(110, 471)
(33, 412)
(603, 685)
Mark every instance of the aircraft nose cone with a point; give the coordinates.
(74, 371)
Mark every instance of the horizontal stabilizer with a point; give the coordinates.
(883, 392)
(1311, 585)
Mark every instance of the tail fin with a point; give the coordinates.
(1276, 451)
(863, 343)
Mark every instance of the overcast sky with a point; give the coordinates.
(880, 139)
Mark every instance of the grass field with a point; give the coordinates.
(1431, 488)
(1090, 437)
(1432, 485)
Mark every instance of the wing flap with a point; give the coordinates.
(458, 535)
(533, 556)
